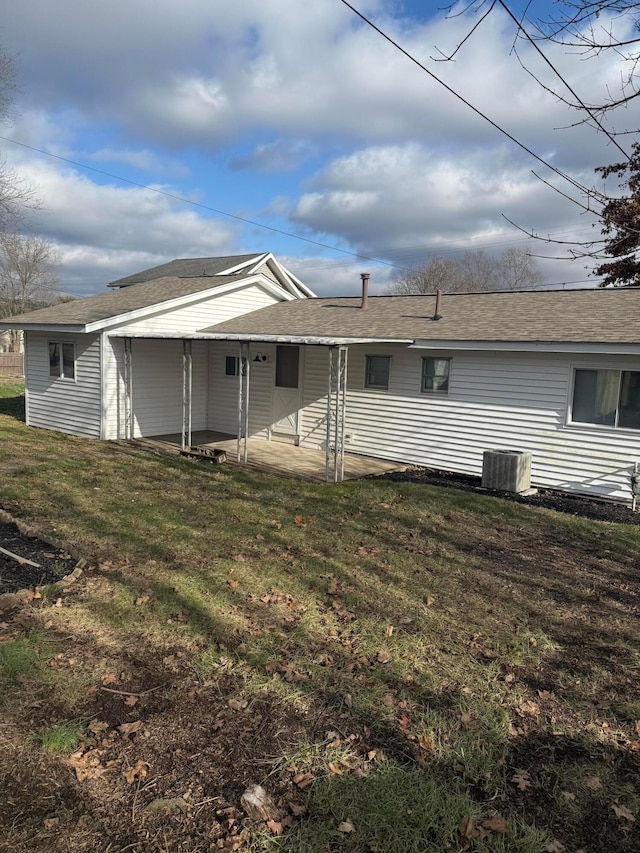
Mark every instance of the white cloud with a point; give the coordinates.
(104, 231)
(384, 199)
(155, 81)
(201, 73)
(143, 159)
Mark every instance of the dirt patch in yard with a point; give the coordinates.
(52, 563)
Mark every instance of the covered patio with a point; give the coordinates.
(278, 457)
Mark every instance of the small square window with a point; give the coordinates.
(377, 372)
(69, 361)
(231, 365)
(435, 375)
(54, 359)
(62, 360)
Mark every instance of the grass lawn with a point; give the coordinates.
(401, 667)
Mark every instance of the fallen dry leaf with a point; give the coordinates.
(130, 701)
(141, 599)
(346, 826)
(427, 743)
(297, 810)
(303, 780)
(237, 704)
(275, 826)
(130, 728)
(529, 707)
(554, 846)
(109, 678)
(138, 771)
(496, 824)
(87, 765)
(468, 829)
(521, 779)
(592, 782)
(389, 630)
(466, 720)
(233, 584)
(623, 811)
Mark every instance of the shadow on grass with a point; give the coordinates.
(14, 407)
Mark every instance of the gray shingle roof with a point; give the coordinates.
(597, 315)
(104, 306)
(186, 266)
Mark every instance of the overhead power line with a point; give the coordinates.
(477, 111)
(202, 206)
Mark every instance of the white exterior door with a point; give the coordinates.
(286, 392)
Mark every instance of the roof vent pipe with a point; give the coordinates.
(436, 314)
(365, 289)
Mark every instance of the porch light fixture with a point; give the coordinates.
(260, 357)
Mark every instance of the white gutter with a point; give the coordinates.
(45, 327)
(312, 340)
(530, 346)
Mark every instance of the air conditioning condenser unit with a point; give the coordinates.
(506, 470)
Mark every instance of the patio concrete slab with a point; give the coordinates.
(278, 457)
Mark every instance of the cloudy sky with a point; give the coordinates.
(299, 117)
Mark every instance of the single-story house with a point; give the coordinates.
(240, 346)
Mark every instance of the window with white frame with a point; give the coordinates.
(435, 375)
(62, 360)
(377, 372)
(606, 398)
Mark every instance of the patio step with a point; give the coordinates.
(286, 438)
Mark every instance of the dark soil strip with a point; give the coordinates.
(584, 507)
(54, 564)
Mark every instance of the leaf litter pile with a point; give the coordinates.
(248, 663)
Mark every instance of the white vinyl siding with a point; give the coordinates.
(512, 401)
(203, 312)
(157, 377)
(223, 390)
(68, 405)
(114, 388)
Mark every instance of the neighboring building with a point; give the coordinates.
(552, 373)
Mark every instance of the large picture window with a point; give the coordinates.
(62, 360)
(606, 398)
(435, 375)
(377, 372)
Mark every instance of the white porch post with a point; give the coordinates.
(128, 390)
(336, 414)
(244, 370)
(186, 393)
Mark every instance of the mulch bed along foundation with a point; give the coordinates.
(560, 502)
(53, 563)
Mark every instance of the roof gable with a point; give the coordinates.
(136, 300)
(180, 267)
